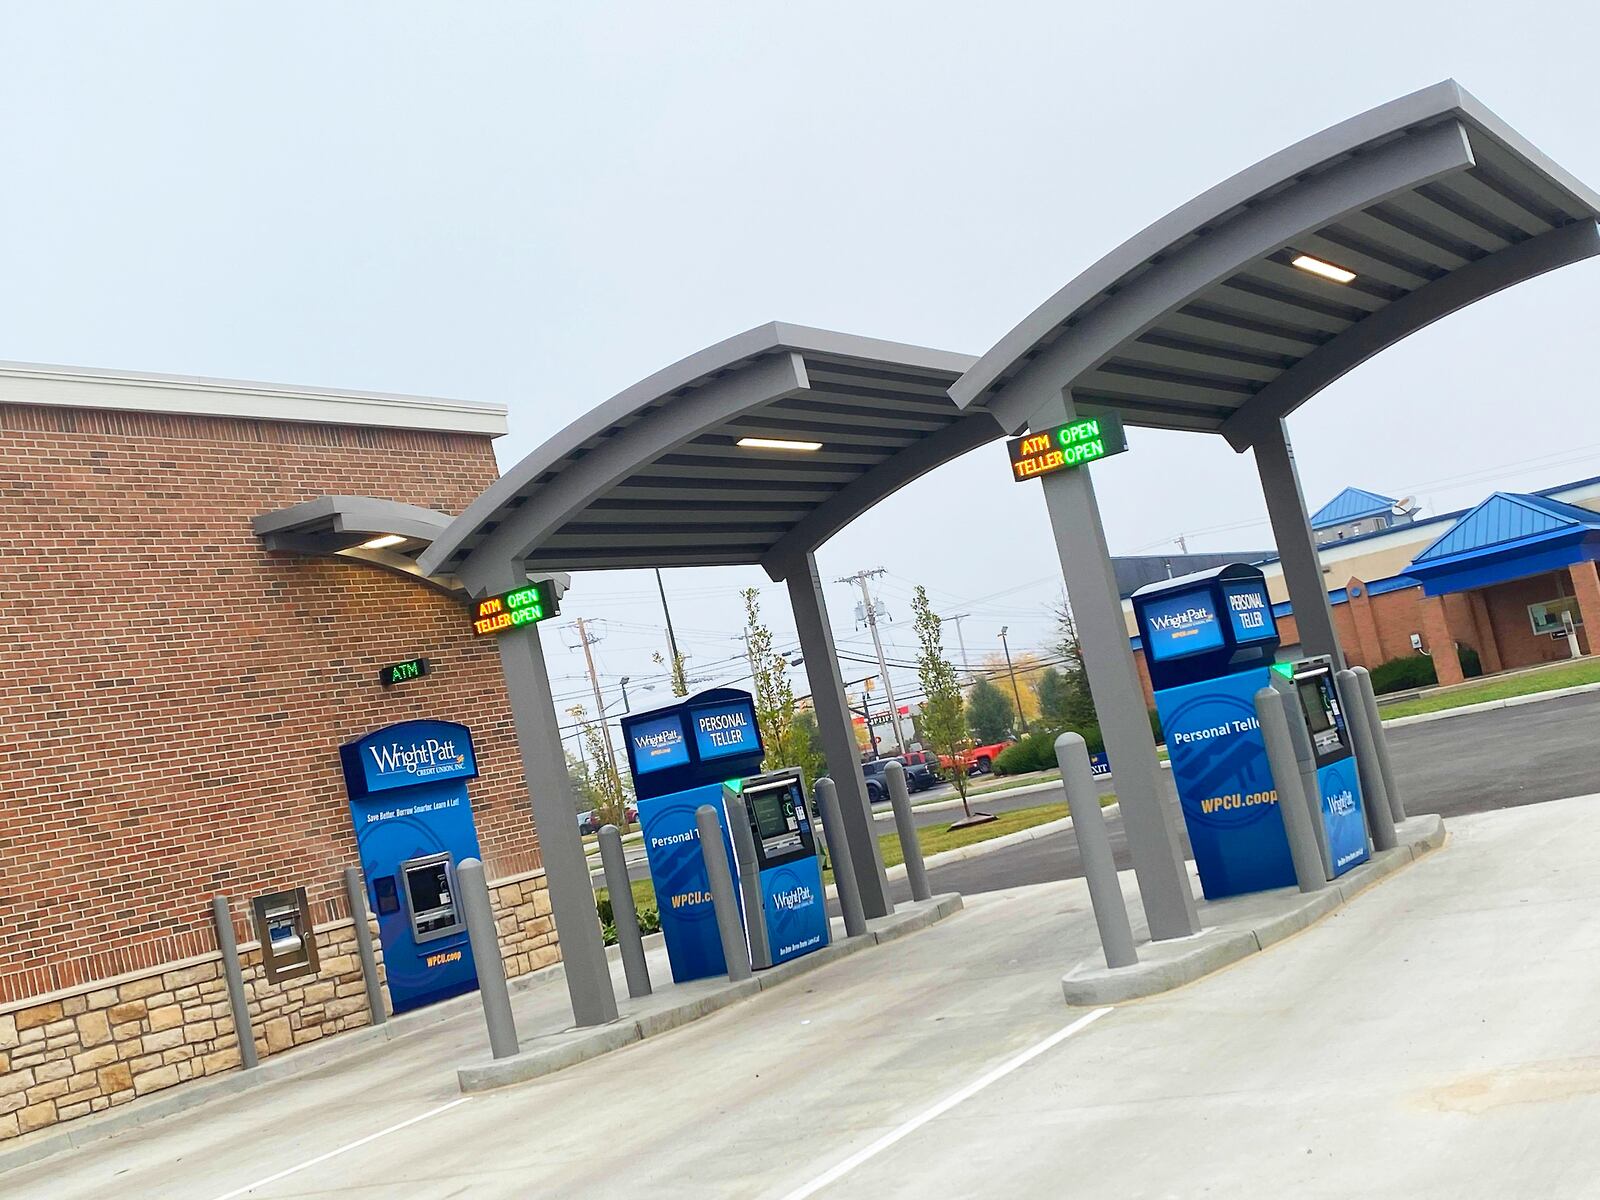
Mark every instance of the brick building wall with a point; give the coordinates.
(174, 696)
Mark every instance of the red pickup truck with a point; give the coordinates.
(977, 761)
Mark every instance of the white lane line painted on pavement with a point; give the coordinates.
(835, 1173)
(359, 1142)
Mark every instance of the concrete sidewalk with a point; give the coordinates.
(1436, 1037)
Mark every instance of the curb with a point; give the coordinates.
(558, 1051)
(1188, 959)
(1466, 710)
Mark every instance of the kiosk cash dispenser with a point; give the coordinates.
(780, 876)
(1209, 641)
(413, 821)
(1327, 760)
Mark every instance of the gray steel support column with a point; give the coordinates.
(355, 890)
(478, 912)
(1374, 802)
(630, 942)
(1297, 548)
(238, 1006)
(844, 877)
(838, 738)
(719, 875)
(566, 866)
(1397, 805)
(905, 826)
(1118, 698)
(1285, 767)
(1094, 849)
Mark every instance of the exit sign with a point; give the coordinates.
(1071, 445)
(526, 605)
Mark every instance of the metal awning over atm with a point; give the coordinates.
(1235, 308)
(754, 450)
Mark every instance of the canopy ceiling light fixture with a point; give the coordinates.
(1325, 269)
(762, 443)
(382, 542)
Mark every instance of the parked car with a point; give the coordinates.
(919, 775)
(588, 822)
(922, 769)
(980, 759)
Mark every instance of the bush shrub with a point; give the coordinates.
(649, 920)
(1471, 664)
(1402, 674)
(1037, 751)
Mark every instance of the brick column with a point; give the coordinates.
(1488, 648)
(1368, 647)
(1439, 641)
(1586, 587)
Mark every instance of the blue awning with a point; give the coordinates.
(1508, 536)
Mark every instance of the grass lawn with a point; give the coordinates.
(1503, 688)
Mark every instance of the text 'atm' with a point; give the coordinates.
(413, 822)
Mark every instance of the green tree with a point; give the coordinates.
(943, 718)
(787, 744)
(1077, 705)
(678, 670)
(808, 746)
(607, 793)
(1051, 686)
(990, 714)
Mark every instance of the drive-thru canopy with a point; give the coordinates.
(1222, 317)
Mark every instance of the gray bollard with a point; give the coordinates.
(1292, 807)
(906, 828)
(479, 913)
(844, 875)
(355, 891)
(720, 876)
(1375, 802)
(1094, 848)
(238, 1007)
(623, 913)
(1397, 806)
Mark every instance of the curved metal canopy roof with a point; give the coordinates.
(655, 477)
(1201, 322)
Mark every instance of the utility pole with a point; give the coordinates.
(1015, 690)
(586, 639)
(962, 642)
(672, 638)
(870, 608)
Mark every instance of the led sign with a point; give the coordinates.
(525, 606)
(1071, 445)
(658, 744)
(394, 673)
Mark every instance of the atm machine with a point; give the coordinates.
(1209, 640)
(780, 875)
(1327, 762)
(407, 786)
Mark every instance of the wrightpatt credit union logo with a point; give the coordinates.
(418, 759)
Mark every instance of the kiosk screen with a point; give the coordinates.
(772, 812)
(1320, 719)
(433, 908)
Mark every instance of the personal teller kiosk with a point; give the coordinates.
(698, 752)
(1209, 640)
(413, 821)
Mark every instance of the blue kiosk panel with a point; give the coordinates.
(407, 786)
(680, 757)
(1209, 640)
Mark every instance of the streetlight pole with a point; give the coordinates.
(1015, 690)
(624, 682)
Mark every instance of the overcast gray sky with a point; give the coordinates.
(538, 204)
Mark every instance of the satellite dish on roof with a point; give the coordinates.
(1402, 507)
